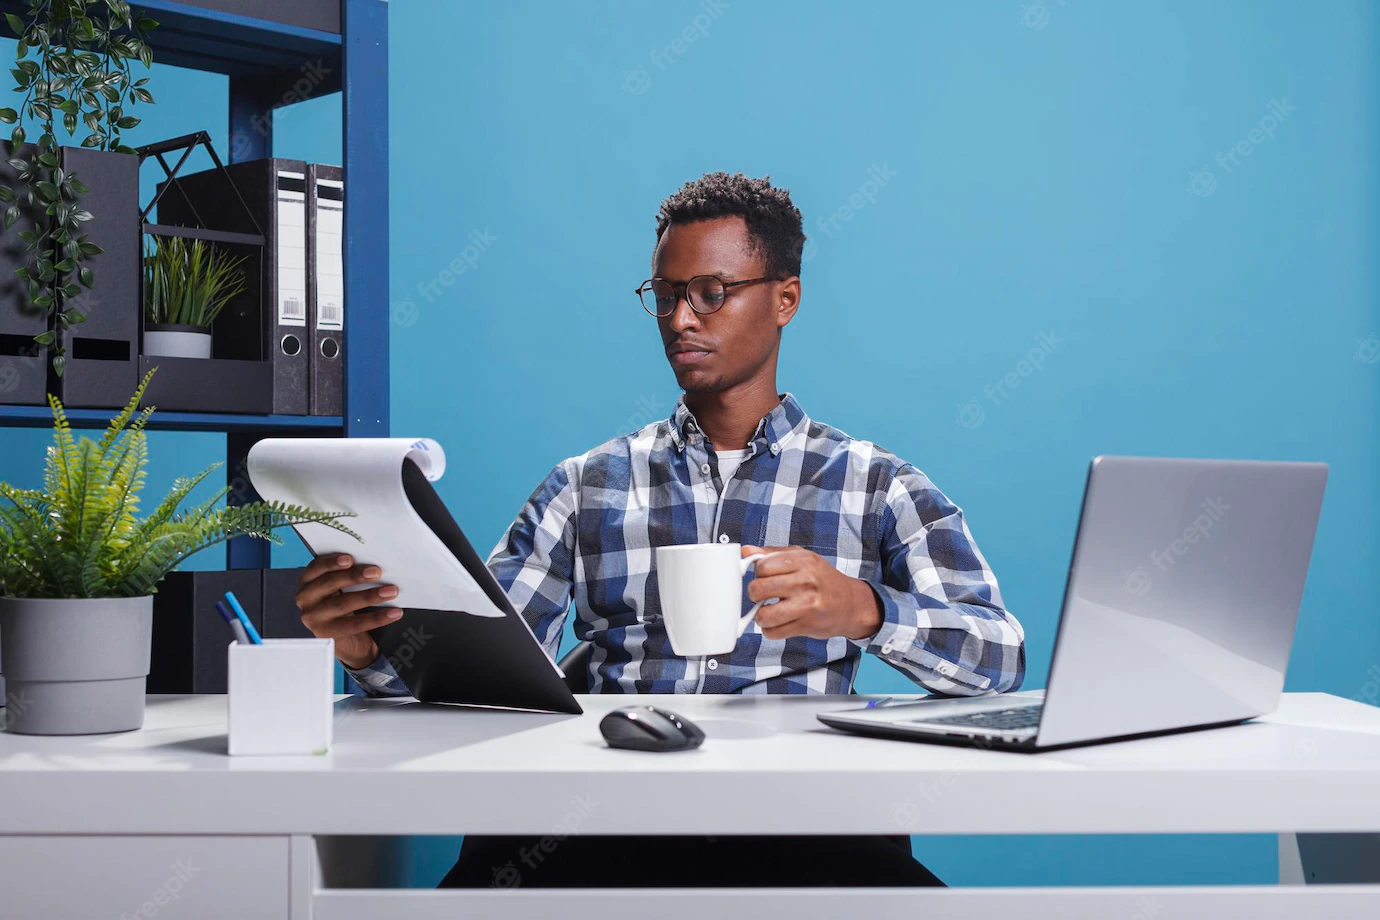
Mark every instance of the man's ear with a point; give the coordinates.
(788, 302)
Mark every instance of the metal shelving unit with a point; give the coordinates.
(266, 62)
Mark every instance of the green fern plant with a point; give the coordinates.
(79, 536)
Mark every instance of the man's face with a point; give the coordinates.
(725, 348)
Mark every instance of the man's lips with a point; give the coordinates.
(681, 355)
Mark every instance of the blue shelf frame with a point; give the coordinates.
(265, 60)
(42, 417)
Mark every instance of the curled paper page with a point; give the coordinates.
(364, 475)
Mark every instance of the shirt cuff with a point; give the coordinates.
(897, 642)
(379, 679)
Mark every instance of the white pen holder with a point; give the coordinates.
(281, 695)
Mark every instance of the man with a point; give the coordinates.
(865, 553)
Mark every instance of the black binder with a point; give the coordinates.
(275, 191)
(326, 287)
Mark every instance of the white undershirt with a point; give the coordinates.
(729, 460)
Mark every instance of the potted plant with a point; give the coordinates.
(186, 285)
(78, 570)
(73, 65)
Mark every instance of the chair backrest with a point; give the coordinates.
(575, 665)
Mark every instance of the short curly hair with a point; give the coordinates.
(773, 222)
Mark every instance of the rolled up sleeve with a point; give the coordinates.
(944, 624)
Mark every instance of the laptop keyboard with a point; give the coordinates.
(1001, 719)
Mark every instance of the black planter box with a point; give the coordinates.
(23, 362)
(102, 352)
(208, 385)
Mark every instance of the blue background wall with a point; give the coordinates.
(1052, 168)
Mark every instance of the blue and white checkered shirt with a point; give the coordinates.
(589, 531)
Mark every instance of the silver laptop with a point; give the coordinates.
(1179, 611)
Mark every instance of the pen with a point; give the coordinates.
(243, 617)
(241, 636)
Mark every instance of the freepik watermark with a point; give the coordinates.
(9, 374)
(1139, 580)
(1368, 349)
(1203, 181)
(14, 706)
(509, 875)
(637, 81)
(864, 197)
(1035, 16)
(480, 241)
(1147, 907)
(168, 892)
(416, 638)
(972, 413)
(405, 312)
(647, 409)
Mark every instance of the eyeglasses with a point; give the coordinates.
(705, 294)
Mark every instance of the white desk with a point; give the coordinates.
(100, 822)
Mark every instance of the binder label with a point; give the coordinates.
(330, 269)
(292, 249)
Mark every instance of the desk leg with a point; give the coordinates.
(1329, 859)
(304, 874)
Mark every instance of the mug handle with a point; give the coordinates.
(743, 567)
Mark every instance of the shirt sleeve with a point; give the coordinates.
(379, 679)
(535, 560)
(943, 624)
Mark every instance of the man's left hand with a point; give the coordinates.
(817, 600)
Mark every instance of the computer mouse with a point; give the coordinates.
(646, 728)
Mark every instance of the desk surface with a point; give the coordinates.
(401, 767)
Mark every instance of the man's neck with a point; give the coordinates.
(729, 418)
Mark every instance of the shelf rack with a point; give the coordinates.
(267, 63)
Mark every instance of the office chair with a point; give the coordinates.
(575, 666)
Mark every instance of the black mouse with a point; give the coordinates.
(646, 728)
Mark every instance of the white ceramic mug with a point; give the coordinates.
(701, 587)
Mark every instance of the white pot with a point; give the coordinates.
(170, 340)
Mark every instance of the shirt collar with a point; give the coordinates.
(772, 431)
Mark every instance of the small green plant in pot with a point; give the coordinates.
(186, 285)
(78, 569)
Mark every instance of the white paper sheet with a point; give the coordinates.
(364, 475)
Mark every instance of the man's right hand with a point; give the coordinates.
(330, 613)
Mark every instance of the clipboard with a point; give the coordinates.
(459, 641)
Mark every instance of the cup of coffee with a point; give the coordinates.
(701, 587)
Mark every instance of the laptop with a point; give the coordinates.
(1179, 611)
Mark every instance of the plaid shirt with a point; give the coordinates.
(590, 528)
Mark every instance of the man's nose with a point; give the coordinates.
(684, 316)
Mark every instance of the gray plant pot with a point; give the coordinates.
(75, 666)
